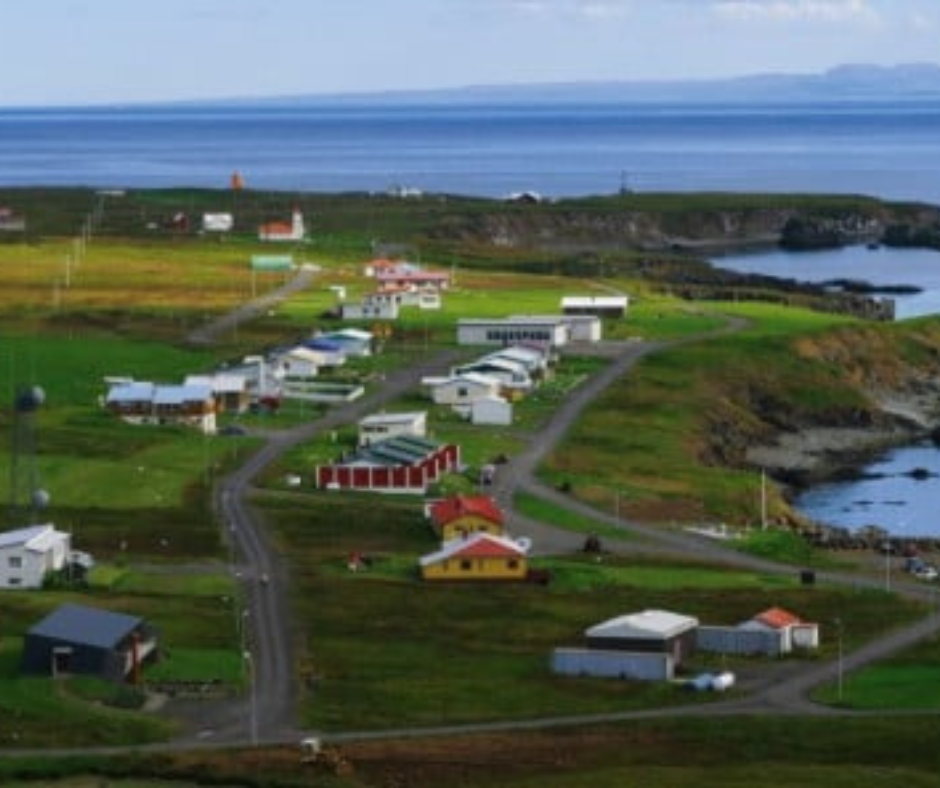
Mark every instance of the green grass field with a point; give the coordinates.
(670, 439)
(380, 648)
(386, 649)
(909, 681)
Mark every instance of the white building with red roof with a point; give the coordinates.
(794, 632)
(294, 230)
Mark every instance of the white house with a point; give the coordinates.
(27, 554)
(381, 426)
(284, 231)
(535, 361)
(230, 390)
(327, 353)
(491, 410)
(258, 375)
(142, 402)
(584, 328)
(217, 222)
(295, 362)
(512, 375)
(463, 389)
(793, 631)
(542, 331)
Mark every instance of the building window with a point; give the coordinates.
(15, 581)
(512, 563)
(15, 562)
(465, 566)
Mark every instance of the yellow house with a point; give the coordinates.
(480, 556)
(463, 515)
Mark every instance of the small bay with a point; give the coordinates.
(882, 267)
(899, 493)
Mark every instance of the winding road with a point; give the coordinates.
(267, 715)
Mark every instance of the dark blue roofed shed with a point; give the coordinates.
(79, 639)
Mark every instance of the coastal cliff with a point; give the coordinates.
(692, 223)
(876, 387)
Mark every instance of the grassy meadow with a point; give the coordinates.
(194, 612)
(379, 648)
(669, 439)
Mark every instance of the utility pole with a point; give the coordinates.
(763, 499)
(839, 665)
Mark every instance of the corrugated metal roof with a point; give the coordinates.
(22, 535)
(648, 624)
(393, 418)
(177, 395)
(224, 383)
(86, 625)
(137, 391)
(467, 378)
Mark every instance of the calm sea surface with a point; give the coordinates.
(887, 495)
(884, 149)
(889, 150)
(881, 267)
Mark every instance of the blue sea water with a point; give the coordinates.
(883, 266)
(887, 495)
(885, 149)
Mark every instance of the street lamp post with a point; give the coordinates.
(253, 712)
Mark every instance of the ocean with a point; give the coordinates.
(886, 149)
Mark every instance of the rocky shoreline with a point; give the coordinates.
(814, 454)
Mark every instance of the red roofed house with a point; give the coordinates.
(463, 515)
(480, 556)
(793, 631)
(372, 268)
(284, 231)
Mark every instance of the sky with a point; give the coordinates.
(55, 52)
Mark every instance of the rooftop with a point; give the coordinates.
(458, 506)
(647, 624)
(87, 625)
(478, 545)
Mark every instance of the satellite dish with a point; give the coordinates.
(40, 499)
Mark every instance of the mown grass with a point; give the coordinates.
(670, 438)
(677, 753)
(386, 649)
(195, 615)
(909, 681)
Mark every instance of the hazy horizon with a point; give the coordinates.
(94, 52)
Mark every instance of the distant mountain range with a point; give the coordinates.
(858, 82)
